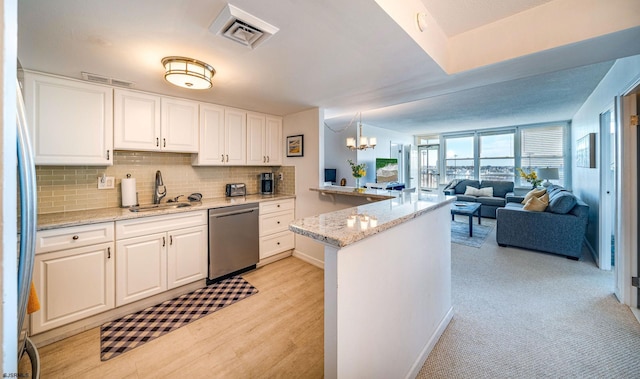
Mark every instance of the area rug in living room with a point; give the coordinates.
(460, 233)
(128, 332)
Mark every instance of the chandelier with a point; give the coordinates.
(365, 143)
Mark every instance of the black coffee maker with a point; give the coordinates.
(266, 183)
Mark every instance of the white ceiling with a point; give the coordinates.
(342, 56)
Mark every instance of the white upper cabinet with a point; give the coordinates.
(147, 122)
(255, 139)
(235, 122)
(70, 122)
(264, 140)
(273, 142)
(136, 123)
(223, 133)
(179, 125)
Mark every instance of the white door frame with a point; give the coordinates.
(608, 204)
(627, 228)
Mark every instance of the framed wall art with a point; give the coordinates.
(295, 146)
(586, 151)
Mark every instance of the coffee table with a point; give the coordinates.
(466, 209)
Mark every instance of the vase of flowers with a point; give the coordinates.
(358, 171)
(530, 177)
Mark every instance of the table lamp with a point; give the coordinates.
(548, 173)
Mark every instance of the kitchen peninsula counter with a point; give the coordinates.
(387, 283)
(372, 194)
(94, 216)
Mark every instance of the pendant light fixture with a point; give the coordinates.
(187, 72)
(364, 142)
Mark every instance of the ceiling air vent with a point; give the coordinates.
(106, 80)
(241, 27)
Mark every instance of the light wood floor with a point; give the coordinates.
(276, 333)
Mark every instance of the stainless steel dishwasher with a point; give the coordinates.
(234, 245)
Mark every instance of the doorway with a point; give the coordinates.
(608, 210)
(429, 162)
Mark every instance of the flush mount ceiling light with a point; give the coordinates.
(188, 72)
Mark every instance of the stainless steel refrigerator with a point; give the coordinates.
(28, 222)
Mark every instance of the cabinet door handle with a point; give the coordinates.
(108, 252)
(278, 205)
(278, 243)
(278, 222)
(170, 240)
(267, 159)
(164, 142)
(164, 242)
(75, 237)
(264, 159)
(157, 142)
(108, 154)
(227, 157)
(222, 155)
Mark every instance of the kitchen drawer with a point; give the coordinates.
(275, 222)
(159, 224)
(276, 206)
(73, 237)
(276, 243)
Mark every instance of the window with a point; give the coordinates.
(459, 162)
(542, 147)
(495, 154)
(497, 158)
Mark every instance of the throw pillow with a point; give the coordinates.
(533, 193)
(472, 191)
(537, 204)
(562, 202)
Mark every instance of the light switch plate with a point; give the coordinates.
(107, 182)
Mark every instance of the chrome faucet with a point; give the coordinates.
(157, 193)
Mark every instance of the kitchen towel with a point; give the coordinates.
(129, 194)
(34, 303)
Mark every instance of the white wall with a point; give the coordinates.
(586, 182)
(309, 123)
(336, 154)
(8, 225)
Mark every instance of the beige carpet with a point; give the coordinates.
(522, 314)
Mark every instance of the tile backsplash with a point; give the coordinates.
(73, 188)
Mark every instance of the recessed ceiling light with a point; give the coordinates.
(421, 21)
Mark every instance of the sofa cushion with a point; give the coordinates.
(473, 191)
(533, 193)
(537, 204)
(495, 201)
(561, 202)
(500, 187)
(462, 185)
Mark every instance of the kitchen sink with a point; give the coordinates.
(154, 207)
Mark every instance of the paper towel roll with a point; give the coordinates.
(129, 194)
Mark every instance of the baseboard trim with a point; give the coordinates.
(424, 354)
(309, 259)
(594, 255)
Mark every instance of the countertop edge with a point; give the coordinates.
(95, 216)
(351, 191)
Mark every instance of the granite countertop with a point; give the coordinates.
(370, 193)
(94, 216)
(344, 227)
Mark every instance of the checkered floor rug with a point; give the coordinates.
(131, 331)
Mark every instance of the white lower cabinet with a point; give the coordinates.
(73, 274)
(275, 217)
(141, 267)
(155, 254)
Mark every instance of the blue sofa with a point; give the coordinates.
(560, 229)
(501, 190)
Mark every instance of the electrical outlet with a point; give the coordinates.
(106, 182)
(280, 176)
